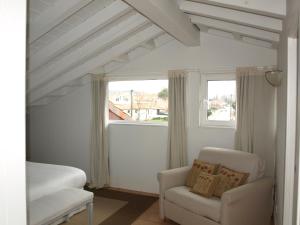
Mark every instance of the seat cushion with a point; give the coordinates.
(52, 206)
(207, 207)
(235, 160)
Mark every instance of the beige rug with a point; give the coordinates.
(103, 208)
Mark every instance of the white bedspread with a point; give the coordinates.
(43, 179)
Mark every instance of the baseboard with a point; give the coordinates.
(133, 192)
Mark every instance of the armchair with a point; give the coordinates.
(249, 204)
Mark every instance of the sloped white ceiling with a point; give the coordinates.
(68, 40)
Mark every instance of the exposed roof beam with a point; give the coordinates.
(150, 45)
(45, 101)
(53, 16)
(92, 24)
(234, 16)
(257, 7)
(166, 15)
(235, 28)
(117, 32)
(61, 92)
(101, 59)
(122, 58)
(254, 41)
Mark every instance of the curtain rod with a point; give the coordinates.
(164, 73)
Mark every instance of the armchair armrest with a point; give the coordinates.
(168, 179)
(172, 178)
(249, 204)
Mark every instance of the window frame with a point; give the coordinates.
(138, 123)
(204, 122)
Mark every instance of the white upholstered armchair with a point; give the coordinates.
(249, 204)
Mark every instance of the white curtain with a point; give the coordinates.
(99, 158)
(177, 136)
(256, 122)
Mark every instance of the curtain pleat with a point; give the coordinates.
(99, 156)
(177, 135)
(256, 122)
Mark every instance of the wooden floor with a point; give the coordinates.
(151, 217)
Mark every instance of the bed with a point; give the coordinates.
(44, 179)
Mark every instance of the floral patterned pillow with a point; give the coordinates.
(229, 179)
(198, 167)
(206, 184)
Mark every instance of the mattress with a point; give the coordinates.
(44, 179)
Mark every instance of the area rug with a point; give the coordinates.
(103, 209)
(114, 208)
(136, 205)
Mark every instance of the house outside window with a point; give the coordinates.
(218, 97)
(142, 101)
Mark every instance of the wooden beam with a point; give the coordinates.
(93, 63)
(53, 16)
(234, 16)
(269, 8)
(166, 15)
(92, 24)
(236, 28)
(91, 47)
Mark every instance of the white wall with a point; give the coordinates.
(12, 114)
(290, 30)
(215, 53)
(60, 132)
(138, 152)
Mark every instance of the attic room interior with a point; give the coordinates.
(150, 112)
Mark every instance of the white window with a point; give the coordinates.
(218, 107)
(138, 101)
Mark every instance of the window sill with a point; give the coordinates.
(218, 126)
(116, 122)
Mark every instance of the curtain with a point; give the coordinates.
(256, 122)
(177, 135)
(99, 159)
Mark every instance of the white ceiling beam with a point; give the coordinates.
(122, 58)
(166, 15)
(86, 28)
(272, 8)
(93, 63)
(53, 16)
(236, 28)
(81, 54)
(45, 101)
(260, 43)
(234, 16)
(150, 45)
(61, 92)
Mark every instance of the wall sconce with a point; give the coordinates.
(274, 77)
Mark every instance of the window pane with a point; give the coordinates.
(221, 100)
(145, 100)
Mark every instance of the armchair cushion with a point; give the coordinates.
(236, 160)
(206, 185)
(206, 207)
(229, 179)
(197, 168)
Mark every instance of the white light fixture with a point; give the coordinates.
(274, 77)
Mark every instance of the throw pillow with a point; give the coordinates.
(229, 179)
(198, 167)
(206, 184)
